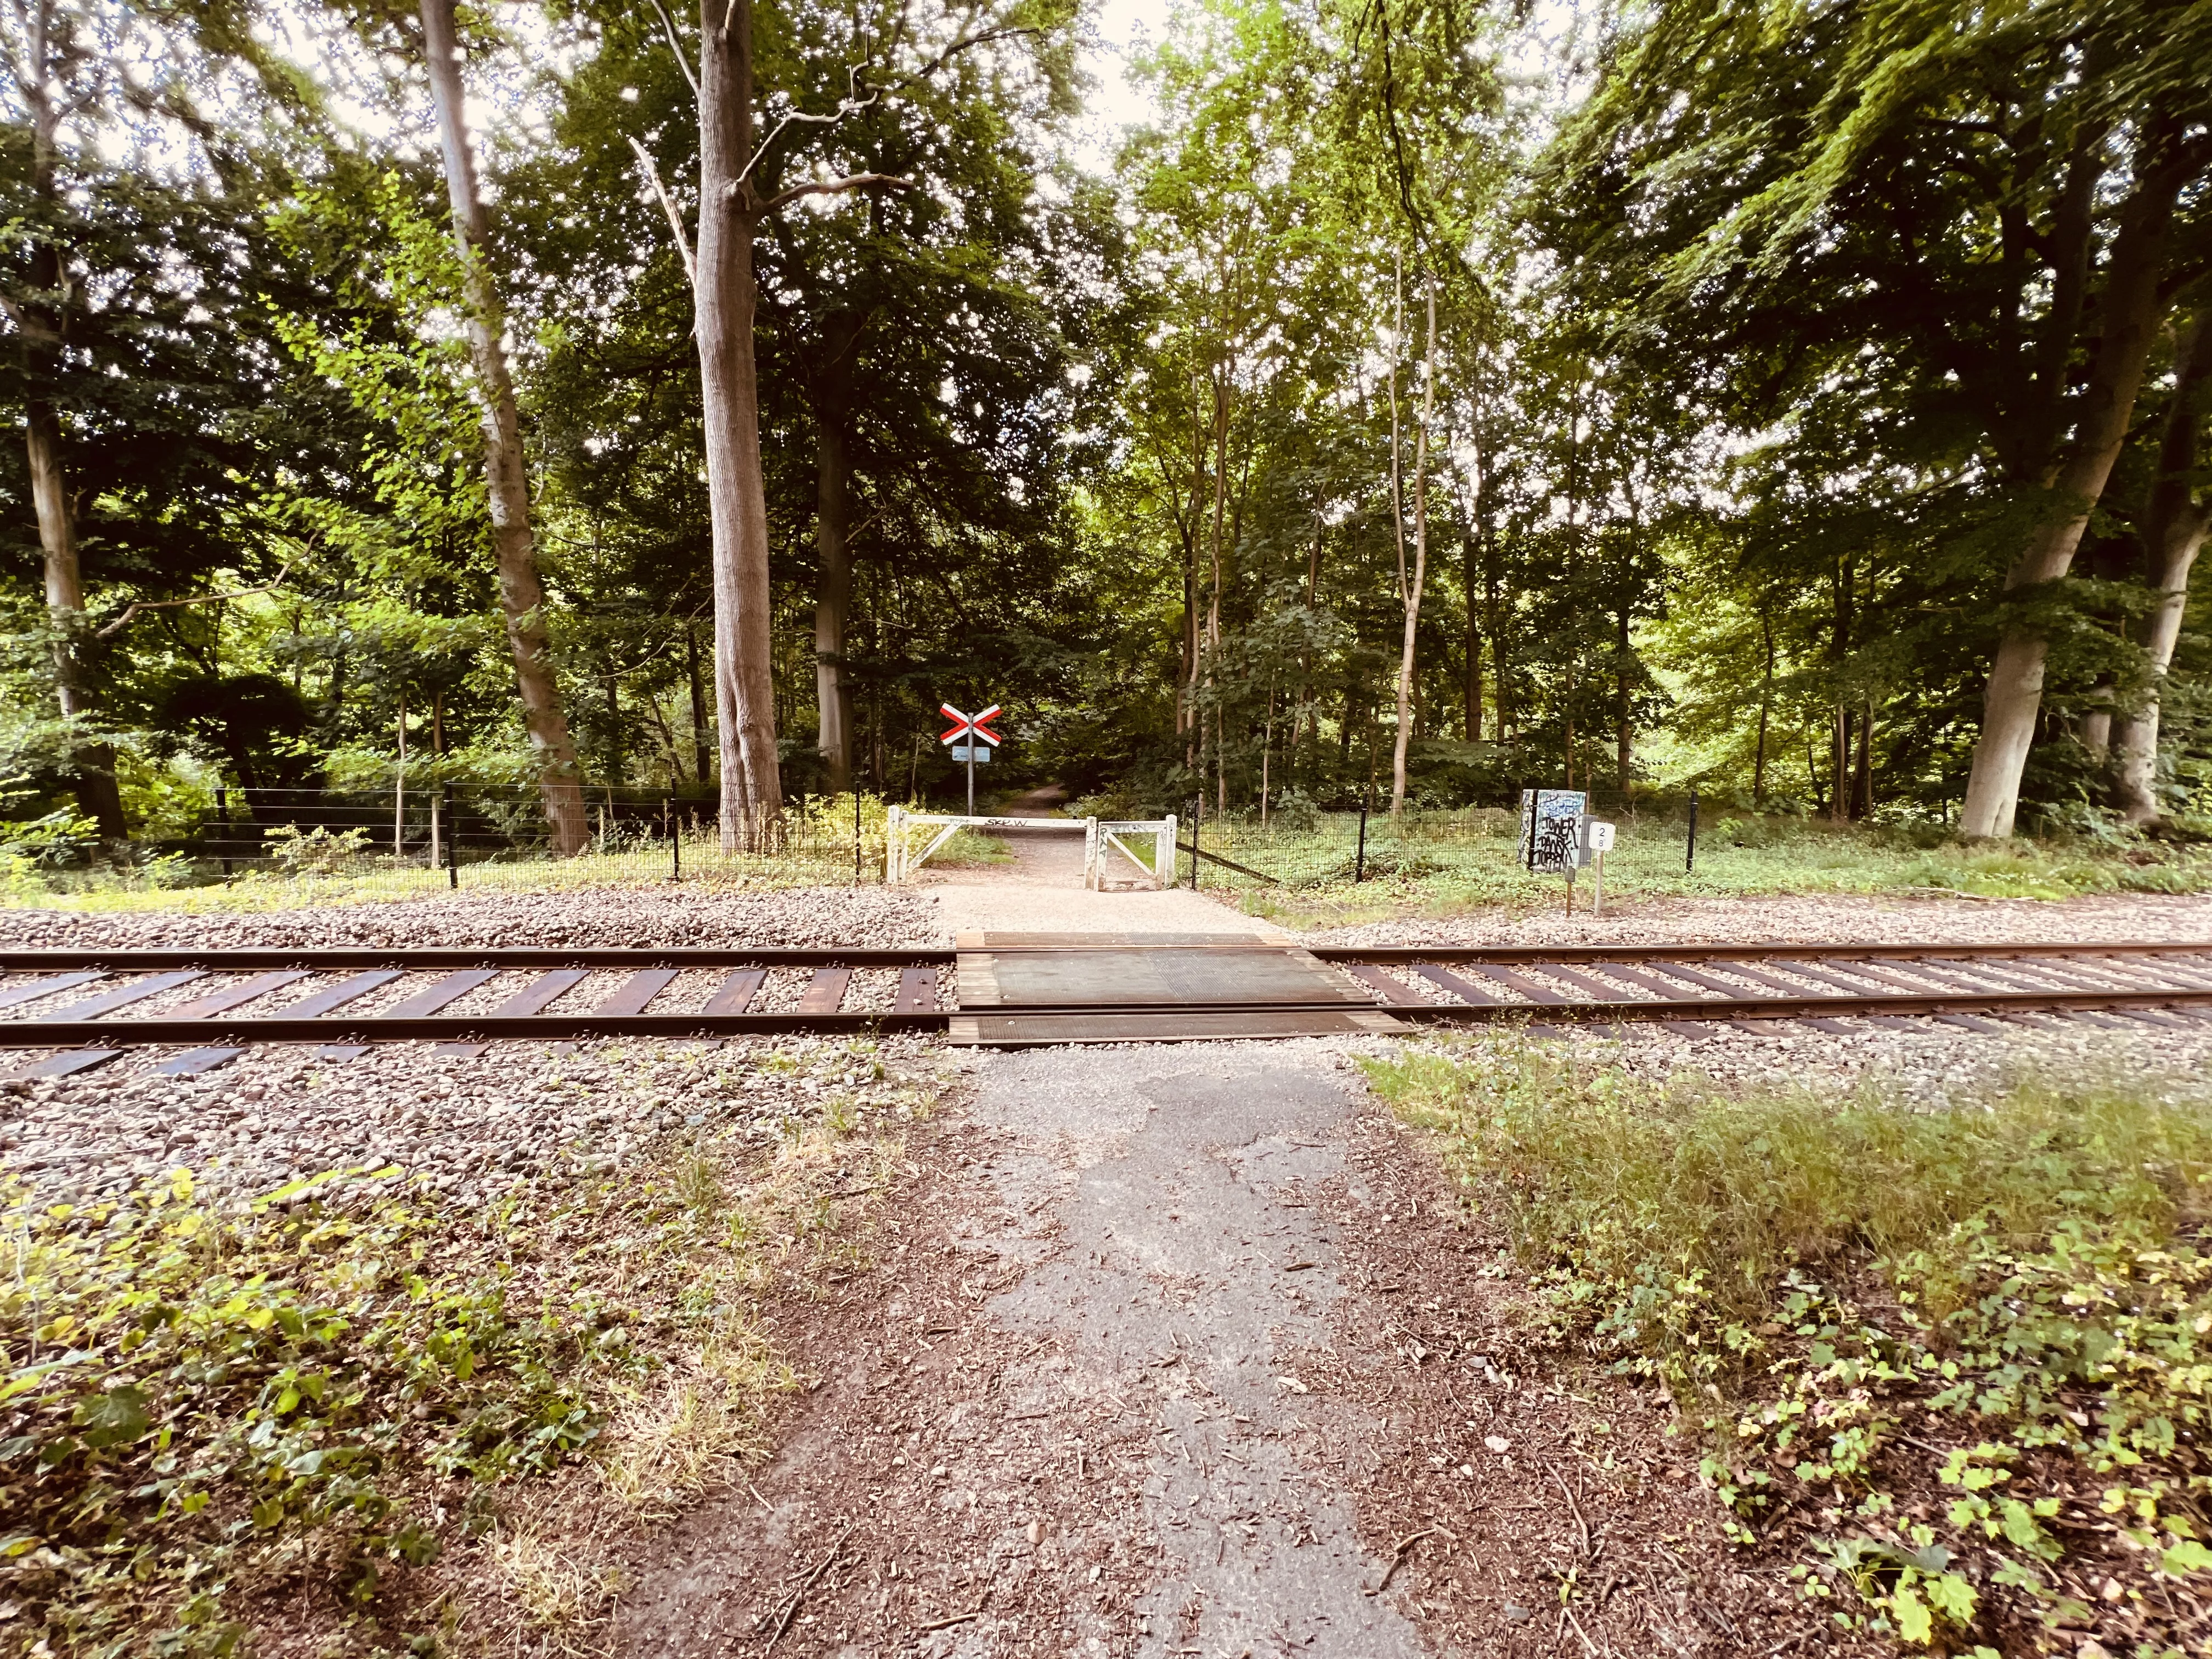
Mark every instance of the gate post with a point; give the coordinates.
(1090, 854)
(1164, 854)
(894, 839)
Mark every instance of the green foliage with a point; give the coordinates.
(1824, 1286)
(318, 851)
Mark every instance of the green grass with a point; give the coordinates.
(1963, 1341)
(1443, 863)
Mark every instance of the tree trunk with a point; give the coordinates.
(702, 761)
(723, 298)
(41, 324)
(2175, 528)
(1474, 727)
(1411, 591)
(1187, 688)
(2128, 324)
(830, 386)
(1765, 704)
(521, 595)
(1863, 771)
(1624, 753)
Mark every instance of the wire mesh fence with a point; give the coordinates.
(1329, 850)
(291, 846)
(394, 842)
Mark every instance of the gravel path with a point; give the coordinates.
(1188, 1352)
(1043, 892)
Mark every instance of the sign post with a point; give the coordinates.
(1596, 839)
(970, 726)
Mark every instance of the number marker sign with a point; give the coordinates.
(970, 726)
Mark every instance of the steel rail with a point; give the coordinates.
(1382, 955)
(458, 1028)
(465, 1028)
(426, 958)
(1775, 1002)
(1813, 1006)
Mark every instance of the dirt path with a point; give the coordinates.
(1188, 1350)
(1181, 1351)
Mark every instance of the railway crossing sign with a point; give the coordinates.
(965, 723)
(970, 726)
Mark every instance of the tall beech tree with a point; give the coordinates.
(521, 594)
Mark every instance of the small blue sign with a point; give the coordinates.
(978, 752)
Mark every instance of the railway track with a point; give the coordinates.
(67, 1010)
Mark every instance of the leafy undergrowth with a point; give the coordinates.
(1445, 864)
(1956, 1361)
(232, 1425)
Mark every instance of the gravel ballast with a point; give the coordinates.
(472, 1128)
(1882, 919)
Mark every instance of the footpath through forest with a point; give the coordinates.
(1182, 1350)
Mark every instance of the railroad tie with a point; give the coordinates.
(826, 993)
(1393, 992)
(532, 999)
(736, 993)
(917, 991)
(1465, 989)
(121, 997)
(631, 996)
(46, 987)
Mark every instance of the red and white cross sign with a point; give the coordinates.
(965, 723)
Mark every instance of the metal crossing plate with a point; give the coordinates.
(1021, 990)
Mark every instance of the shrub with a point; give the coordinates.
(1833, 1288)
(317, 852)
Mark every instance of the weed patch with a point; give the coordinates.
(214, 1414)
(1958, 1359)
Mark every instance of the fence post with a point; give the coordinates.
(670, 828)
(1164, 854)
(1197, 818)
(1690, 851)
(453, 838)
(856, 832)
(1359, 860)
(894, 818)
(223, 815)
(1090, 855)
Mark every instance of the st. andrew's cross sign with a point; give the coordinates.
(970, 726)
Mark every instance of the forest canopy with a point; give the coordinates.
(1425, 399)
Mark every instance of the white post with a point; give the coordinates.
(1090, 854)
(894, 836)
(1163, 854)
(1597, 883)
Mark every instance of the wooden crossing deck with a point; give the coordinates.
(1023, 990)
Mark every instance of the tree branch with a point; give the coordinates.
(137, 605)
(676, 45)
(667, 206)
(837, 187)
(852, 103)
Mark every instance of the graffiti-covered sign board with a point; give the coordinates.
(1550, 821)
